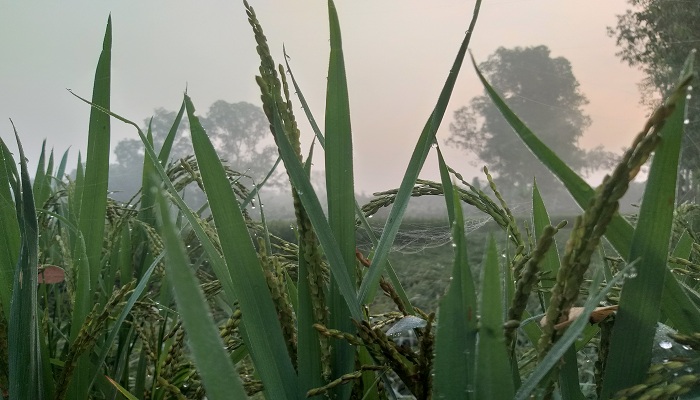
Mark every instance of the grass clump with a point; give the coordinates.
(158, 300)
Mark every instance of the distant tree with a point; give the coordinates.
(657, 36)
(544, 93)
(237, 130)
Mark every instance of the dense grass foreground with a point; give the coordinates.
(154, 300)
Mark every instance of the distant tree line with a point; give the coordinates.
(237, 130)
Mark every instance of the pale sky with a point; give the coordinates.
(397, 54)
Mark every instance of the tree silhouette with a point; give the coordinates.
(544, 93)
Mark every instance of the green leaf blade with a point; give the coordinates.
(635, 325)
(265, 339)
(24, 355)
(675, 302)
(455, 340)
(94, 187)
(493, 370)
(340, 192)
(213, 364)
(420, 153)
(10, 239)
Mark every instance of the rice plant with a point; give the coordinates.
(154, 300)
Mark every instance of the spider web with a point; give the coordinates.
(420, 236)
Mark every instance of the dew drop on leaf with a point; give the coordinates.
(665, 344)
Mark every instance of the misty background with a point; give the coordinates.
(397, 55)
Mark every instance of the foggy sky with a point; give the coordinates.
(397, 52)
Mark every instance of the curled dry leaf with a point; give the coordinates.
(599, 314)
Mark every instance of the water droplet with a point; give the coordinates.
(689, 96)
(371, 216)
(686, 121)
(631, 273)
(454, 244)
(689, 370)
(253, 206)
(665, 344)
(686, 347)
(690, 88)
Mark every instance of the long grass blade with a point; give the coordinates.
(493, 370)
(266, 342)
(455, 340)
(93, 192)
(10, 237)
(549, 265)
(675, 303)
(309, 360)
(571, 335)
(312, 206)
(213, 364)
(41, 186)
(25, 372)
(358, 210)
(340, 192)
(550, 262)
(635, 325)
(420, 152)
(61, 170)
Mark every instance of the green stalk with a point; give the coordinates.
(635, 324)
(25, 363)
(265, 340)
(213, 364)
(420, 152)
(93, 205)
(341, 194)
(10, 238)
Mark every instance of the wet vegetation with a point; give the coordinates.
(152, 298)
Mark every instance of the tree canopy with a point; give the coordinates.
(544, 93)
(657, 36)
(237, 130)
